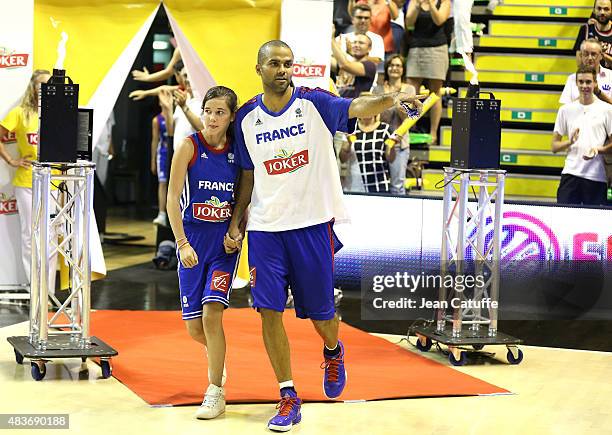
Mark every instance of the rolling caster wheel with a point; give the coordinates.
(478, 346)
(39, 370)
(512, 359)
(424, 347)
(462, 359)
(107, 369)
(18, 357)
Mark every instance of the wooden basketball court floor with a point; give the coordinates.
(555, 391)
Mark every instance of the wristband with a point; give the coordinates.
(186, 242)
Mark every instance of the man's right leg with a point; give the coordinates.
(277, 346)
(269, 270)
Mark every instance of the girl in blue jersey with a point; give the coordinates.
(200, 200)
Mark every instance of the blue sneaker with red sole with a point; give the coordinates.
(288, 413)
(334, 379)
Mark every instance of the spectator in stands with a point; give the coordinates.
(350, 174)
(397, 25)
(463, 40)
(342, 17)
(428, 54)
(394, 72)
(367, 143)
(587, 123)
(591, 55)
(601, 29)
(382, 13)
(362, 18)
(354, 76)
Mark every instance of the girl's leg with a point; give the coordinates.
(215, 339)
(196, 330)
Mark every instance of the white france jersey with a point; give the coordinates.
(291, 152)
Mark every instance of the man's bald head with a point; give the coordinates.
(264, 50)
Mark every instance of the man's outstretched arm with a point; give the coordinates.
(371, 105)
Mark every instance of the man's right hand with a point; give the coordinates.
(233, 239)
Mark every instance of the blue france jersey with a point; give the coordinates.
(208, 193)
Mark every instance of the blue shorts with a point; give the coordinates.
(211, 279)
(302, 259)
(162, 163)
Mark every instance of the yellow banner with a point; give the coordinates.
(226, 35)
(98, 32)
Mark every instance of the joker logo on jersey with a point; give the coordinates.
(212, 210)
(285, 162)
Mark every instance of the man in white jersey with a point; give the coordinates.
(587, 123)
(289, 176)
(591, 55)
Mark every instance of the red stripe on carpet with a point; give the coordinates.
(163, 365)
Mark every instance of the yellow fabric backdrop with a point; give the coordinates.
(226, 35)
(98, 32)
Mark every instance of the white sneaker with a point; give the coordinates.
(160, 219)
(213, 404)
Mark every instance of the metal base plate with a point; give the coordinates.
(61, 346)
(467, 337)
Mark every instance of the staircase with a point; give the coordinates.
(524, 58)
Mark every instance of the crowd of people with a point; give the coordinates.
(382, 46)
(585, 116)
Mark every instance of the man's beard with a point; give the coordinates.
(606, 20)
(280, 88)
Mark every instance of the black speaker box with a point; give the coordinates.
(59, 119)
(476, 133)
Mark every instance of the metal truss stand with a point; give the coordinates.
(61, 330)
(467, 315)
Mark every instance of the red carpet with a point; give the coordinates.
(163, 365)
